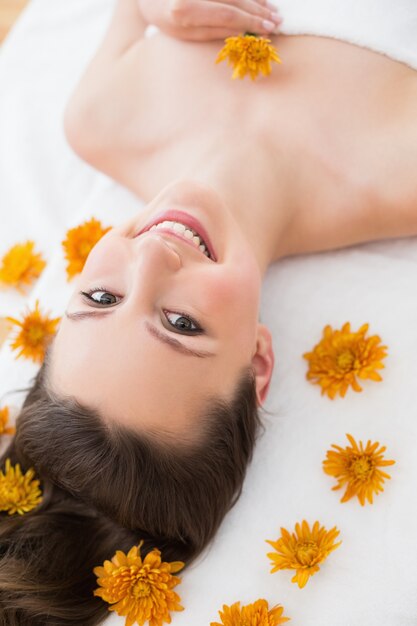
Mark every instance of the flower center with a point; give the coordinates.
(142, 589)
(255, 51)
(36, 333)
(306, 552)
(345, 360)
(361, 467)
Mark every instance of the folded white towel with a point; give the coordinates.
(381, 25)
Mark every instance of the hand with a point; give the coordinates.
(206, 20)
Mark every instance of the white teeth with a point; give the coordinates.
(186, 232)
(178, 228)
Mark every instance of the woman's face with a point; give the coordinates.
(167, 327)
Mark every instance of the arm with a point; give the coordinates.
(193, 20)
(127, 26)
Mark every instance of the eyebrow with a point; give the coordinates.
(153, 330)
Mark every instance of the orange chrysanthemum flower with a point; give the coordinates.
(358, 468)
(341, 356)
(4, 418)
(256, 614)
(303, 550)
(19, 493)
(141, 590)
(20, 266)
(78, 243)
(248, 54)
(36, 333)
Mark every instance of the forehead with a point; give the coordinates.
(131, 378)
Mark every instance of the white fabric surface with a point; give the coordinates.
(381, 25)
(371, 579)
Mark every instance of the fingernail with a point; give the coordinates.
(276, 18)
(268, 25)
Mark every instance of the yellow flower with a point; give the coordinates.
(18, 492)
(4, 418)
(248, 54)
(78, 243)
(358, 468)
(303, 550)
(35, 335)
(256, 614)
(340, 356)
(142, 590)
(21, 266)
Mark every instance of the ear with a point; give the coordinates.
(263, 363)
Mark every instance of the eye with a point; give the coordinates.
(183, 323)
(102, 296)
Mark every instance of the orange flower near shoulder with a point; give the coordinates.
(358, 469)
(248, 54)
(19, 493)
(4, 418)
(141, 590)
(36, 333)
(20, 266)
(78, 243)
(343, 355)
(256, 614)
(303, 550)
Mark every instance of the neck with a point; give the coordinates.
(253, 183)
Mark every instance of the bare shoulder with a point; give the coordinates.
(99, 111)
(368, 197)
(126, 109)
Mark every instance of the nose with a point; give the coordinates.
(156, 254)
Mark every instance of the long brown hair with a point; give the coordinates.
(105, 489)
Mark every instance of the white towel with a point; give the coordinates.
(386, 26)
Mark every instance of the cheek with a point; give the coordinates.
(106, 257)
(234, 289)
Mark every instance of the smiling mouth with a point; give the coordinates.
(182, 230)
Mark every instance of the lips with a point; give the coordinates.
(187, 220)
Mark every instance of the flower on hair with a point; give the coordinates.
(256, 614)
(358, 469)
(4, 418)
(36, 333)
(78, 243)
(20, 266)
(343, 355)
(248, 54)
(19, 493)
(139, 589)
(303, 550)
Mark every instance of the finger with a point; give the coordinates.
(203, 33)
(267, 3)
(195, 13)
(259, 8)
